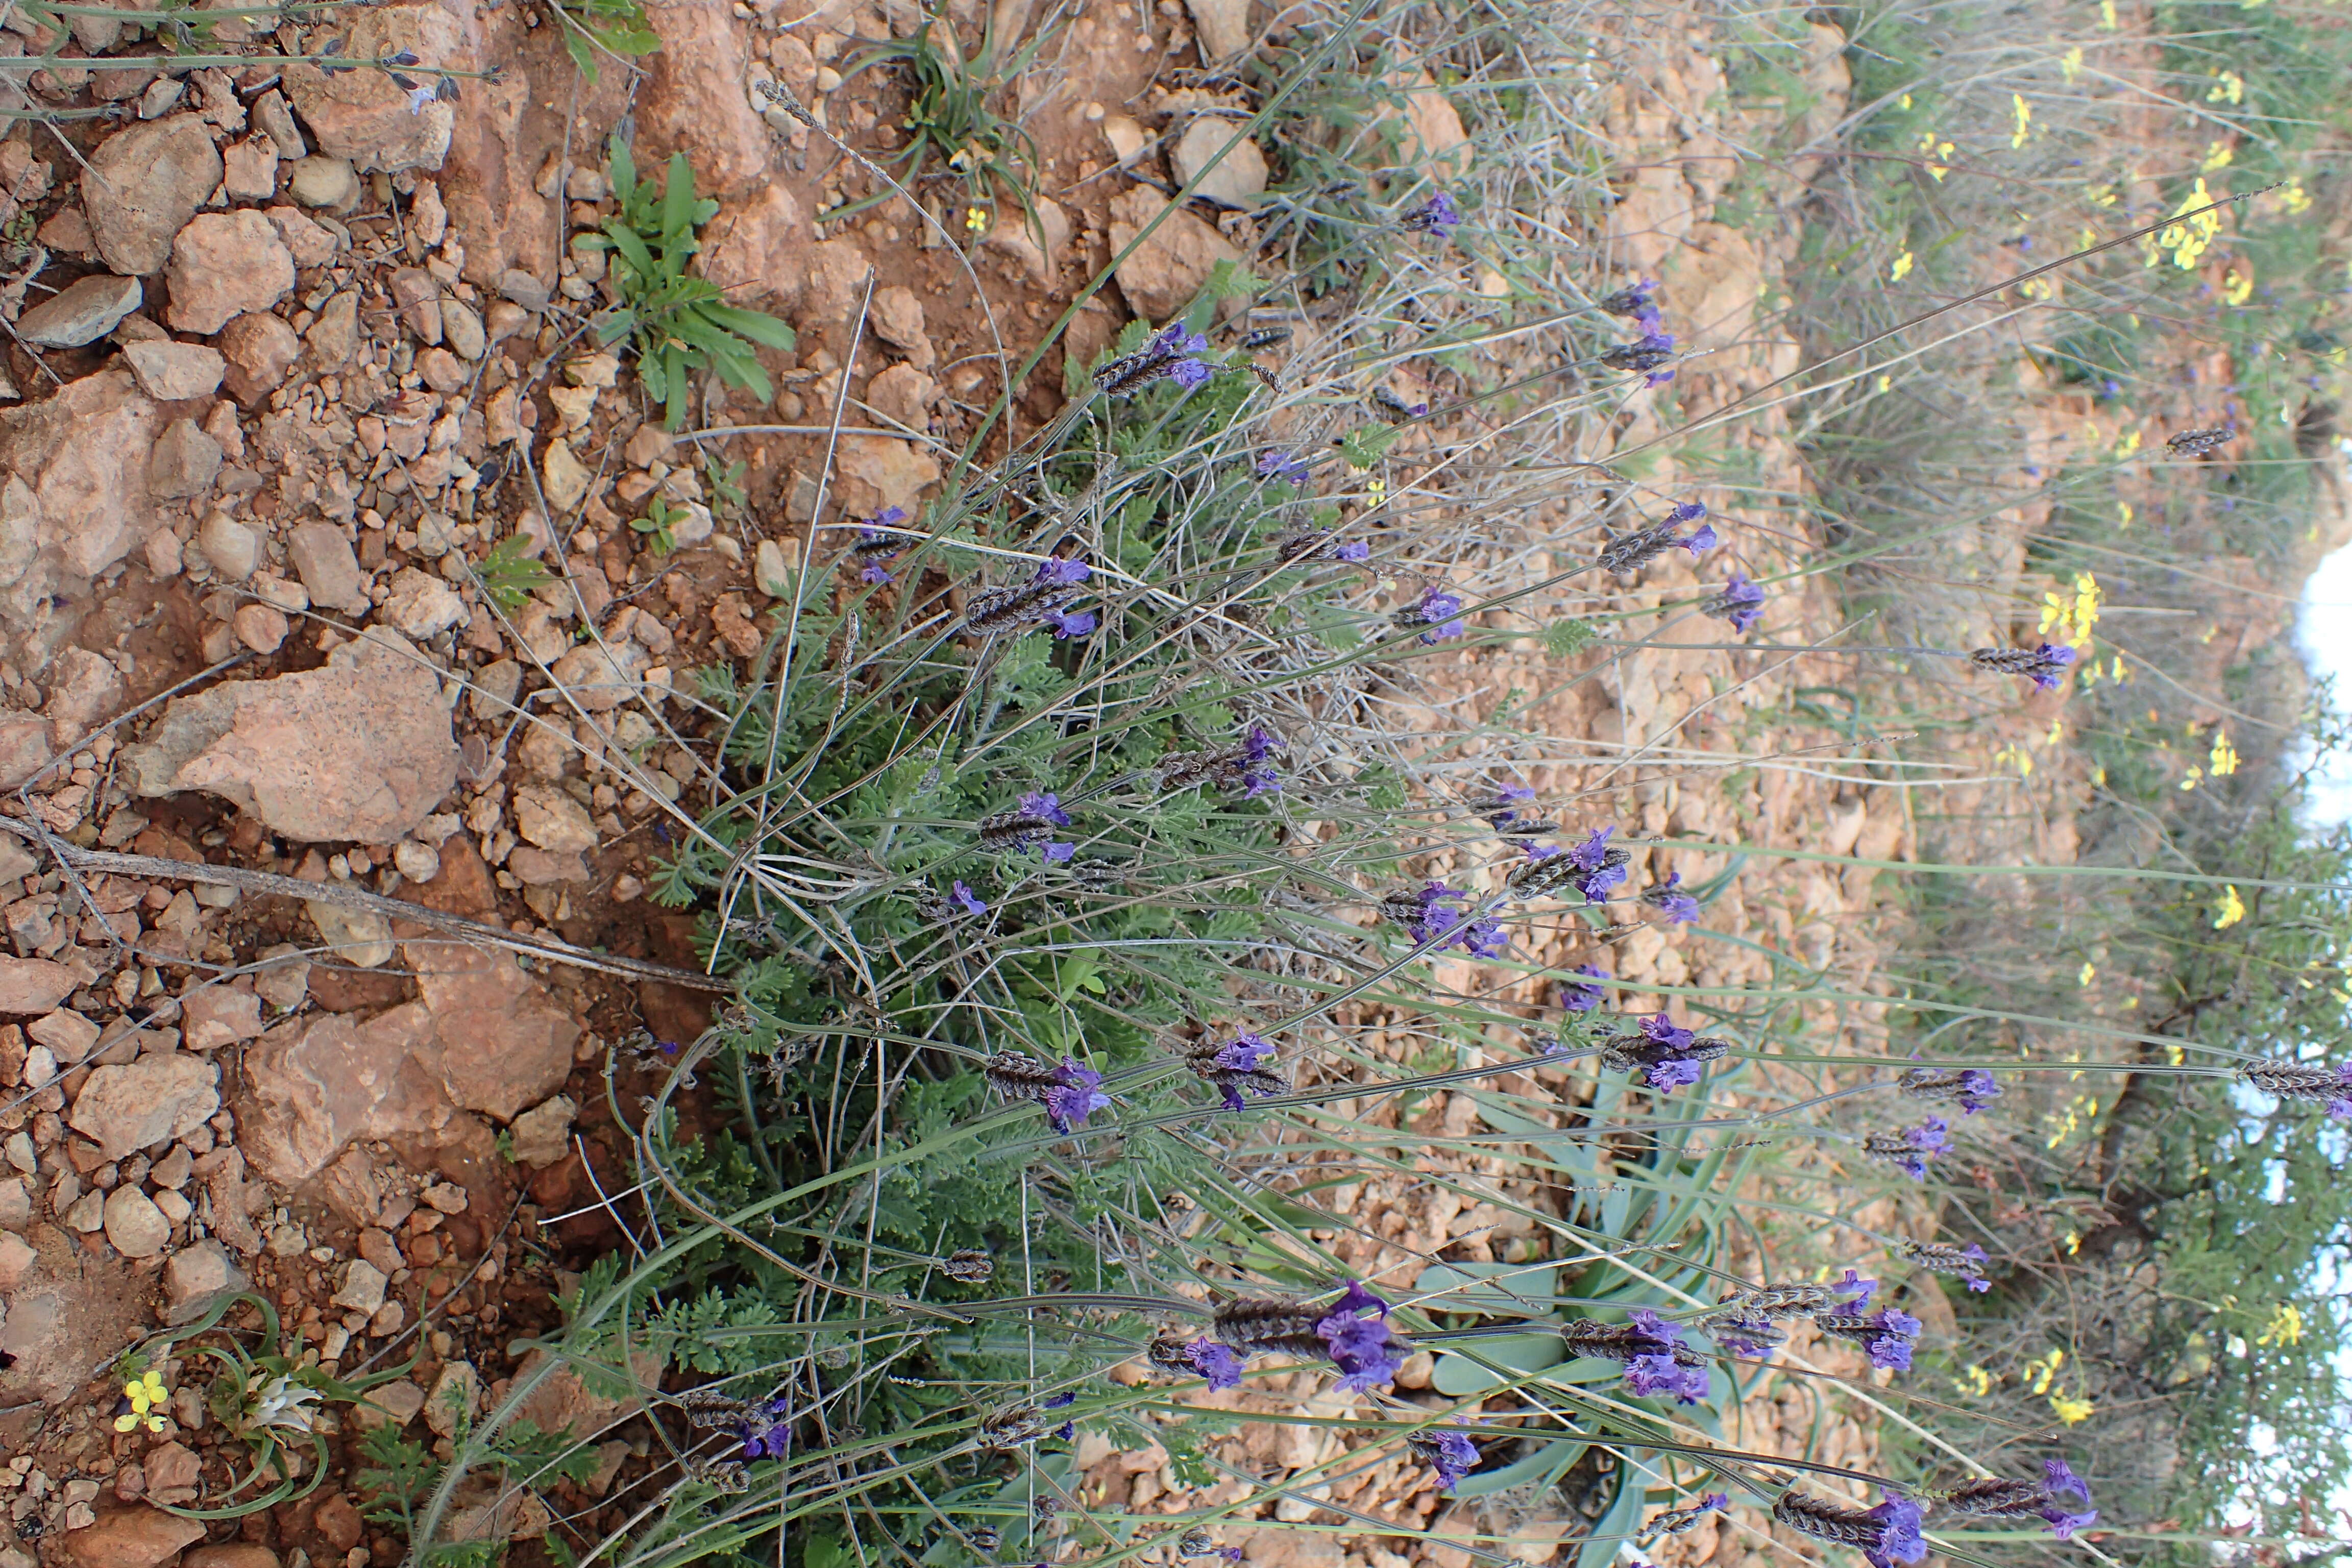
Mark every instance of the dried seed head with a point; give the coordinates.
(1195, 1543)
(1012, 1426)
(971, 1265)
(1992, 1496)
(1774, 1303)
(1261, 1323)
(2045, 664)
(2314, 1081)
(1016, 1075)
(1167, 1351)
(2196, 443)
(1971, 1088)
(1825, 1520)
(712, 1407)
(727, 1476)
(1014, 606)
(1045, 1508)
(987, 1537)
(1014, 830)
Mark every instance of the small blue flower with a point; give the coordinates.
(1059, 853)
(1352, 550)
(1048, 804)
(1440, 612)
(1485, 939)
(1188, 374)
(1450, 1454)
(1702, 540)
(1216, 1363)
(1577, 997)
(1273, 464)
(1437, 216)
(1247, 1053)
(875, 573)
(1078, 1096)
(1741, 602)
(2056, 656)
(970, 900)
(1064, 573)
(1071, 622)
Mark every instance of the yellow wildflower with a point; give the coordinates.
(2042, 1369)
(2225, 755)
(2236, 287)
(2218, 155)
(1902, 267)
(2024, 118)
(2107, 15)
(2231, 909)
(2286, 1328)
(2196, 776)
(2073, 1412)
(1975, 1379)
(146, 1394)
(2124, 510)
(976, 219)
(2228, 87)
(2296, 199)
(2089, 973)
(2069, 63)
(1886, 382)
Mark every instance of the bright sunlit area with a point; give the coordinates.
(2323, 632)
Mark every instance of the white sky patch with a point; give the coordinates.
(2323, 631)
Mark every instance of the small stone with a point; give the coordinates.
(601, 677)
(387, 1320)
(87, 1214)
(524, 289)
(169, 371)
(362, 1289)
(81, 313)
(563, 476)
(1223, 26)
(135, 1224)
(16, 1204)
(769, 572)
(223, 265)
(462, 331)
(142, 185)
(322, 557)
(1161, 276)
(313, 244)
(1239, 177)
(285, 984)
(420, 605)
(68, 1034)
(327, 184)
(277, 122)
(334, 337)
(33, 985)
(261, 350)
(137, 1105)
(542, 1135)
(898, 319)
(359, 937)
(233, 548)
(250, 170)
(217, 1016)
(394, 1404)
(138, 1536)
(553, 820)
(16, 1260)
(174, 1169)
(443, 372)
(452, 1399)
(261, 627)
(176, 1208)
(184, 463)
(445, 1197)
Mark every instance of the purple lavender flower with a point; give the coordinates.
(1188, 374)
(1351, 550)
(1048, 804)
(1214, 1362)
(1909, 1149)
(1437, 914)
(1508, 800)
(970, 900)
(1899, 1518)
(1687, 511)
(1245, 1054)
(1071, 622)
(1068, 1429)
(1679, 908)
(1655, 1374)
(1279, 465)
(1655, 349)
(1669, 1075)
(1064, 573)
(1860, 1289)
(2060, 1480)
(1485, 939)
(1633, 301)
(1164, 355)
(1578, 997)
(1059, 853)
(1440, 612)
(1437, 216)
(1363, 1349)
(1078, 1096)
(1702, 539)
(1592, 857)
(2057, 657)
(873, 572)
(1741, 602)
(1887, 1334)
(1450, 1454)
(766, 1430)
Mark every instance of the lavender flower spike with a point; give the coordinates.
(1910, 1149)
(1366, 1351)
(1279, 465)
(1439, 611)
(1450, 1454)
(1437, 216)
(1077, 1096)
(1741, 602)
(1577, 997)
(1886, 1534)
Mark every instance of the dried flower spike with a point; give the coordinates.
(1943, 1258)
(2196, 443)
(1437, 216)
(1973, 1088)
(2046, 664)
(1910, 1148)
(2312, 1081)
(1886, 1534)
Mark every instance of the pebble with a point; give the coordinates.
(327, 184)
(169, 371)
(261, 627)
(135, 1226)
(362, 1289)
(184, 463)
(81, 313)
(233, 548)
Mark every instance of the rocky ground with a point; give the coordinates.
(293, 350)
